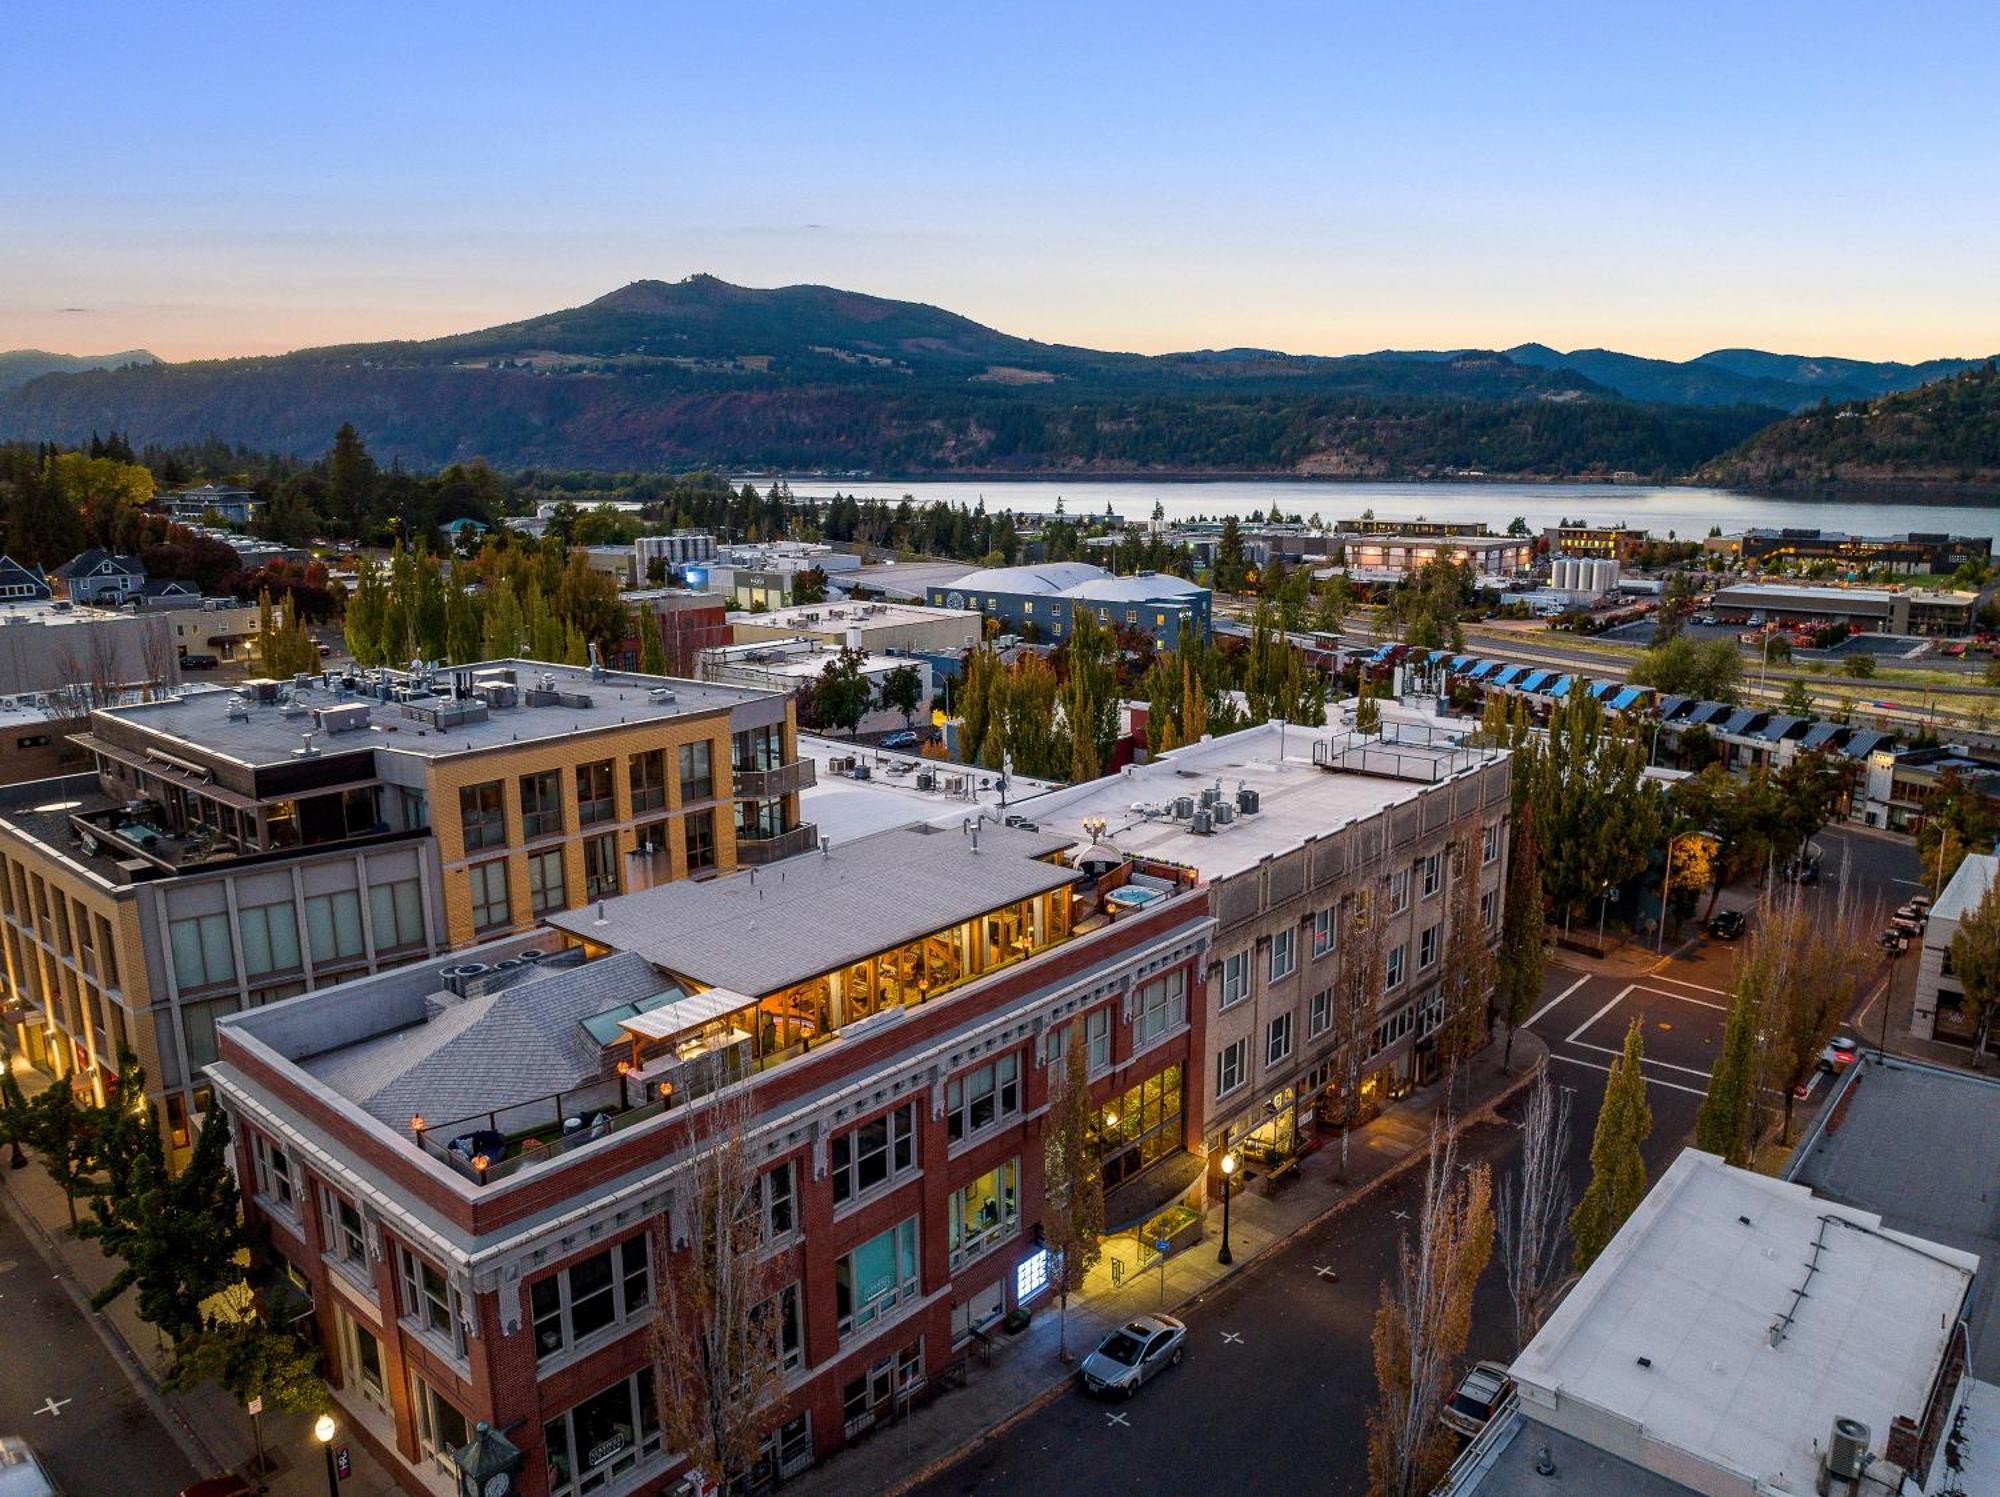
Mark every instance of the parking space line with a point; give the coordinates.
(1674, 1086)
(1683, 982)
(1570, 1039)
(1539, 1014)
(1644, 1059)
(1721, 1008)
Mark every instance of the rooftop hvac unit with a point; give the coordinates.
(926, 780)
(1202, 824)
(660, 695)
(1847, 1453)
(460, 978)
(860, 771)
(261, 689)
(1209, 796)
(532, 954)
(1224, 813)
(1183, 807)
(345, 717)
(1246, 801)
(497, 693)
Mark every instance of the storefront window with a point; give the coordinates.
(606, 1435)
(875, 1277)
(1142, 1126)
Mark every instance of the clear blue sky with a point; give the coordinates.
(231, 178)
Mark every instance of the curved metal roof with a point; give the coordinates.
(1141, 587)
(1048, 577)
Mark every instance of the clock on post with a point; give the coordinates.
(488, 1465)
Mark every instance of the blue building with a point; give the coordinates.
(1037, 601)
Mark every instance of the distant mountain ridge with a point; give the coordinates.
(19, 365)
(698, 372)
(1740, 376)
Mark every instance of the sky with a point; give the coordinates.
(214, 179)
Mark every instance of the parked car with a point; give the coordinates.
(1484, 1389)
(903, 739)
(1839, 1052)
(199, 662)
(21, 1473)
(1133, 1353)
(1727, 925)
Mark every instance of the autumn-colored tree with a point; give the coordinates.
(1359, 972)
(1975, 959)
(1466, 986)
(1617, 1165)
(1073, 1178)
(1534, 1204)
(1815, 960)
(1424, 1321)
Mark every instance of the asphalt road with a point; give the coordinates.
(99, 1436)
(1274, 1394)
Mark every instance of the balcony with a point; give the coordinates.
(752, 851)
(769, 784)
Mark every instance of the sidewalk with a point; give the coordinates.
(208, 1424)
(1025, 1374)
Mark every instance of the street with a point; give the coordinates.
(61, 1390)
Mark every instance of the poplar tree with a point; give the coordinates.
(1367, 712)
(1724, 1124)
(506, 627)
(1073, 1178)
(464, 628)
(652, 653)
(1523, 934)
(1617, 1167)
(366, 611)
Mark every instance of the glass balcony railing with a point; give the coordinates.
(752, 849)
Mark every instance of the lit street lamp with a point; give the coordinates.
(323, 1432)
(1225, 1257)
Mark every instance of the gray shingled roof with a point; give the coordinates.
(491, 1051)
(813, 913)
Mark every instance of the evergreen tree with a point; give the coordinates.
(1523, 948)
(652, 651)
(1617, 1167)
(351, 481)
(464, 627)
(366, 615)
(1724, 1124)
(1367, 711)
(1230, 570)
(61, 1131)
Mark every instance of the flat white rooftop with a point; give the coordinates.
(834, 618)
(1733, 1319)
(844, 807)
(1968, 886)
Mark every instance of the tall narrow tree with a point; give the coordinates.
(1725, 1124)
(1534, 1204)
(1073, 1179)
(1617, 1167)
(1523, 936)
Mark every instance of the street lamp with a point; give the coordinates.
(1225, 1257)
(323, 1432)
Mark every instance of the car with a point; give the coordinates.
(1481, 1392)
(325, 649)
(902, 740)
(1135, 1352)
(1727, 925)
(21, 1473)
(1839, 1053)
(199, 662)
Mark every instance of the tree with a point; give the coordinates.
(1533, 1204)
(351, 481)
(366, 617)
(1724, 1126)
(1617, 1167)
(809, 585)
(1089, 695)
(652, 649)
(1975, 958)
(1073, 1182)
(1812, 963)
(1367, 711)
(901, 691)
(1676, 603)
(242, 1349)
(1358, 975)
(61, 1131)
(1523, 934)
(1424, 1320)
(284, 648)
(16, 1121)
(1597, 817)
(1712, 670)
(840, 695)
(1797, 700)
(715, 1344)
(1466, 987)
(464, 626)
(1958, 819)
(1861, 667)
(1230, 572)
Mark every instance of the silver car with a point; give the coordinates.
(1133, 1353)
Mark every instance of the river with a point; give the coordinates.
(1687, 513)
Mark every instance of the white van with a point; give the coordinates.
(21, 1474)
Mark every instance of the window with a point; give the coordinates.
(1235, 977)
(1427, 948)
(1284, 954)
(775, 1202)
(1399, 891)
(594, 798)
(346, 1238)
(545, 881)
(416, 810)
(697, 771)
(603, 1290)
(1160, 1008)
(270, 935)
(600, 866)
(699, 830)
(980, 1098)
(432, 1304)
(489, 894)
(1433, 874)
(396, 914)
(878, 1151)
(361, 1354)
(1488, 905)
(875, 1278)
(1489, 844)
(1140, 1127)
(1397, 956)
(441, 1429)
(1096, 1037)
(1319, 1013)
(541, 803)
(1326, 924)
(1278, 1039)
(333, 926)
(202, 954)
(274, 1175)
(481, 817)
(199, 1021)
(603, 1437)
(647, 775)
(788, 1345)
(1229, 1067)
(984, 1212)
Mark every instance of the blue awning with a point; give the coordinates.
(1603, 691)
(1562, 686)
(1460, 662)
(1818, 735)
(1630, 697)
(1742, 720)
(1536, 680)
(1510, 675)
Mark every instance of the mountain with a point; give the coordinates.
(700, 372)
(19, 365)
(1738, 376)
(1943, 437)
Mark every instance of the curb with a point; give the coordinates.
(171, 1419)
(1485, 1113)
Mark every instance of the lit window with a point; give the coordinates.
(1325, 925)
(984, 1212)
